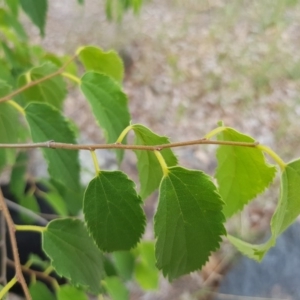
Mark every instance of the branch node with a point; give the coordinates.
(49, 143)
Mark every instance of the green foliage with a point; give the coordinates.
(36, 11)
(17, 177)
(109, 63)
(67, 292)
(116, 8)
(109, 104)
(188, 221)
(150, 172)
(52, 91)
(112, 211)
(8, 132)
(46, 124)
(145, 272)
(78, 258)
(242, 172)
(287, 211)
(116, 288)
(39, 290)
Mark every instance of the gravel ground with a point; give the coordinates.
(191, 64)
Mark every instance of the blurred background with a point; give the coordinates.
(189, 64)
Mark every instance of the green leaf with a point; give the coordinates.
(9, 20)
(67, 292)
(54, 198)
(8, 126)
(37, 261)
(13, 6)
(36, 11)
(17, 181)
(116, 288)
(28, 201)
(188, 222)
(149, 169)
(52, 91)
(288, 209)
(242, 172)
(124, 263)
(146, 273)
(112, 211)
(46, 123)
(109, 105)
(39, 290)
(108, 63)
(73, 253)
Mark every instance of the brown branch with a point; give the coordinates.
(12, 235)
(55, 145)
(33, 83)
(38, 274)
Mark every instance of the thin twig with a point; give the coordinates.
(90, 147)
(12, 235)
(35, 82)
(38, 274)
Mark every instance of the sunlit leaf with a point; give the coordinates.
(188, 222)
(242, 172)
(112, 211)
(73, 253)
(67, 292)
(149, 169)
(106, 62)
(146, 273)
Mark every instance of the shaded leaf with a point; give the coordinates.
(36, 11)
(39, 290)
(109, 105)
(106, 62)
(150, 173)
(52, 91)
(112, 211)
(17, 181)
(242, 172)
(73, 253)
(46, 123)
(188, 222)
